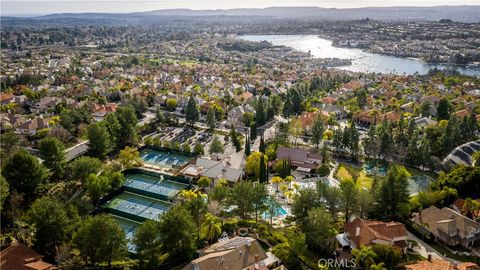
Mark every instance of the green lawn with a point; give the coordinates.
(343, 174)
(363, 181)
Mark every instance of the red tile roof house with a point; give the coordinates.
(21, 257)
(361, 232)
(301, 159)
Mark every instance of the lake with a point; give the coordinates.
(361, 61)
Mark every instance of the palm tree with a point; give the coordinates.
(277, 180)
(364, 256)
(211, 228)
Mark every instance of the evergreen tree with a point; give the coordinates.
(99, 144)
(247, 145)
(192, 114)
(211, 119)
(216, 146)
(262, 147)
(444, 109)
(260, 116)
(253, 130)
(53, 154)
(235, 140)
(263, 170)
(317, 131)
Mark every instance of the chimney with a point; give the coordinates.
(429, 257)
(357, 231)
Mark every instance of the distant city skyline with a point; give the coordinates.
(40, 7)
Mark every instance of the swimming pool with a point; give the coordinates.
(163, 159)
(281, 212)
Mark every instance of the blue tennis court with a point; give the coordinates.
(129, 227)
(136, 207)
(155, 185)
(163, 159)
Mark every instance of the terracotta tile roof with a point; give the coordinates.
(5, 96)
(21, 257)
(369, 231)
(237, 253)
(437, 264)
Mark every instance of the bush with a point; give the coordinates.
(229, 226)
(323, 170)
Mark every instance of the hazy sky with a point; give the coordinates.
(24, 7)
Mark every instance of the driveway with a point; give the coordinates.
(424, 249)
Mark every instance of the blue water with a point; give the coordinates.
(280, 213)
(361, 61)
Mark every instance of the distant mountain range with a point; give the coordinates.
(454, 13)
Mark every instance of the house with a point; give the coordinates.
(448, 226)
(301, 159)
(6, 98)
(235, 115)
(422, 121)
(238, 253)
(361, 232)
(438, 264)
(335, 110)
(31, 126)
(100, 111)
(217, 167)
(49, 103)
(21, 257)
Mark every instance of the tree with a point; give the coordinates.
(305, 200)
(364, 256)
(97, 186)
(260, 117)
(332, 198)
(177, 232)
(171, 104)
(252, 166)
(4, 191)
(425, 109)
(258, 199)
(127, 134)
(247, 145)
(272, 205)
(253, 130)
(99, 144)
(113, 126)
(317, 131)
(53, 153)
(82, 167)
(393, 195)
(235, 140)
(24, 173)
(211, 121)
(444, 109)
(364, 202)
(198, 149)
(52, 224)
(216, 146)
(263, 177)
(211, 228)
(361, 96)
(242, 196)
(319, 230)
(147, 243)
(463, 178)
(129, 157)
(192, 114)
(390, 255)
(262, 147)
(100, 239)
(349, 198)
(204, 181)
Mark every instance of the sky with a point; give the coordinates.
(36, 7)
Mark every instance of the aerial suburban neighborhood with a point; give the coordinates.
(205, 142)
